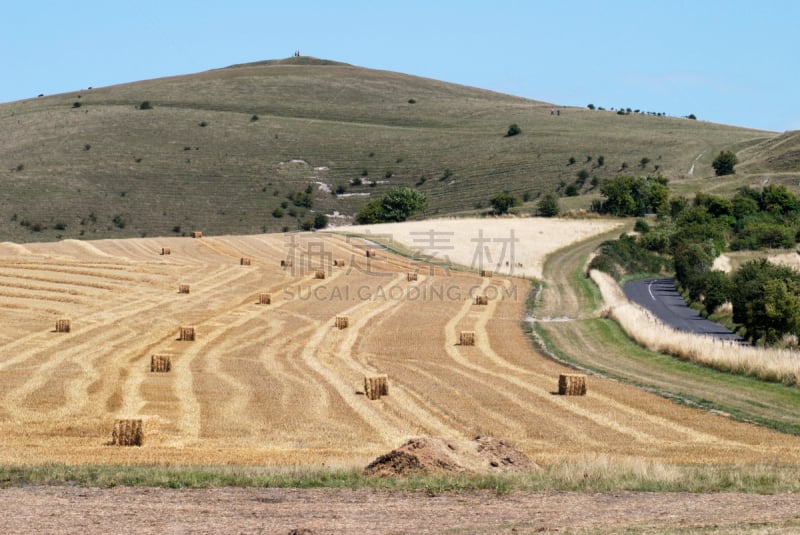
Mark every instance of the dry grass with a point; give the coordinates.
(497, 246)
(767, 364)
(279, 388)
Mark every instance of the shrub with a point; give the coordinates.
(254, 118)
(145, 105)
(590, 106)
(582, 176)
(60, 226)
(320, 221)
(340, 189)
(396, 205)
(87, 146)
(572, 160)
(572, 191)
(412, 101)
(503, 202)
(76, 104)
(548, 205)
(641, 226)
(176, 229)
(356, 181)
(277, 213)
(203, 124)
(513, 130)
(601, 160)
(119, 221)
(724, 163)
(643, 162)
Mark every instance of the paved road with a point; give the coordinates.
(660, 297)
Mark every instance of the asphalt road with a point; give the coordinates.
(660, 297)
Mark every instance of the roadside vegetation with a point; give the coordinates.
(592, 474)
(759, 300)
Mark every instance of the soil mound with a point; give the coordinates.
(430, 455)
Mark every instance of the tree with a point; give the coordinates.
(399, 203)
(766, 300)
(590, 106)
(548, 205)
(396, 205)
(632, 196)
(503, 202)
(724, 162)
(513, 130)
(320, 221)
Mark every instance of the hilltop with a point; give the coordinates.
(247, 148)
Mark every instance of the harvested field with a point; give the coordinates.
(282, 388)
(496, 246)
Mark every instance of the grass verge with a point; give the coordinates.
(599, 474)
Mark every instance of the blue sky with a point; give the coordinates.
(733, 62)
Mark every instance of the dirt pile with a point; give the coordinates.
(430, 455)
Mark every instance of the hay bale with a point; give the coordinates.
(183, 288)
(376, 386)
(481, 300)
(342, 322)
(571, 384)
(319, 275)
(160, 364)
(165, 251)
(286, 263)
(411, 276)
(487, 273)
(264, 299)
(338, 263)
(467, 338)
(127, 433)
(63, 326)
(244, 261)
(187, 334)
(197, 234)
(371, 253)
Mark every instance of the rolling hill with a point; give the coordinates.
(246, 149)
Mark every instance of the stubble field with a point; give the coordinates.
(278, 384)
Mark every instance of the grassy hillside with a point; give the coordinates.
(222, 150)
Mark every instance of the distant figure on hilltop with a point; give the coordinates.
(297, 53)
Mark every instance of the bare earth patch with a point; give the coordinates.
(51, 510)
(431, 455)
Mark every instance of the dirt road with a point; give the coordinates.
(46, 510)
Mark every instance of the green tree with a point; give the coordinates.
(320, 221)
(766, 300)
(548, 205)
(503, 202)
(396, 205)
(724, 162)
